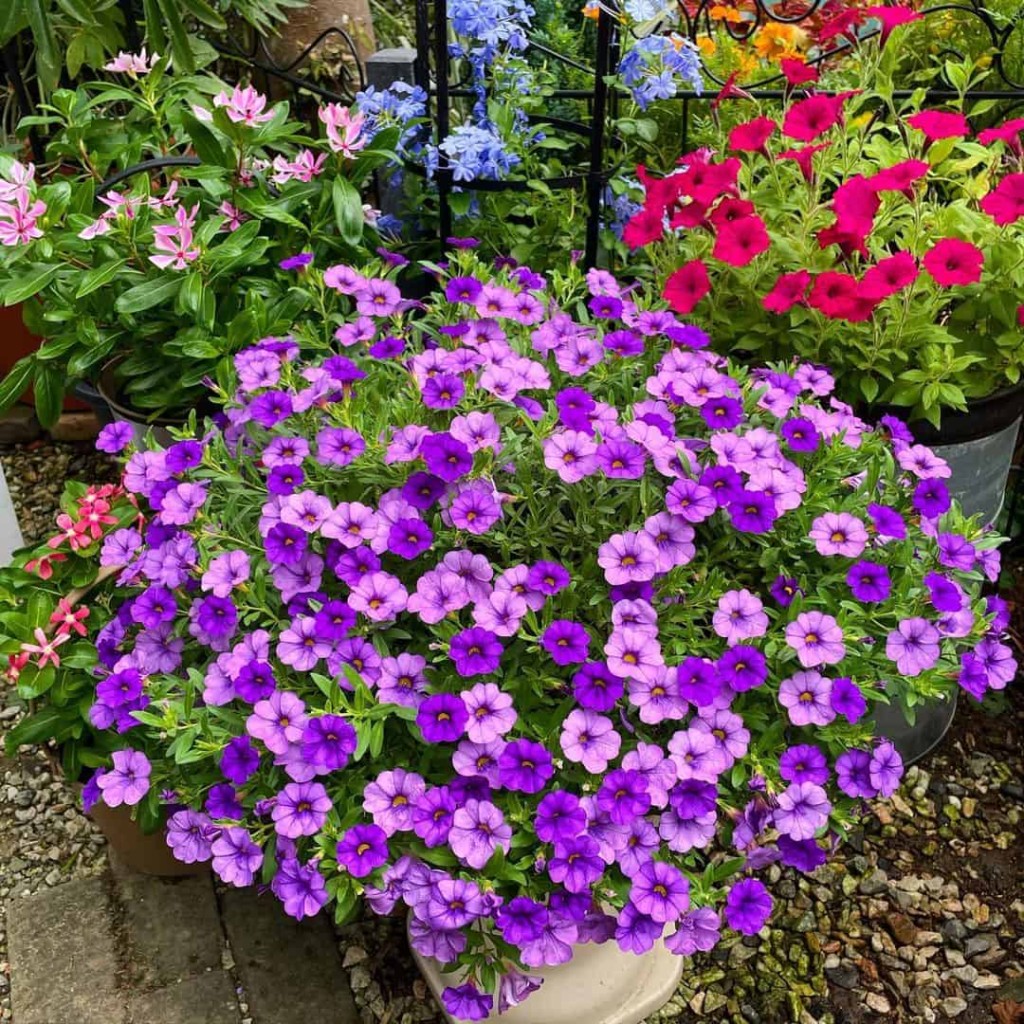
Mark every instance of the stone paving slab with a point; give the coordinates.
(173, 927)
(64, 963)
(204, 999)
(290, 970)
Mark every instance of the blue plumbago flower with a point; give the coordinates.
(655, 66)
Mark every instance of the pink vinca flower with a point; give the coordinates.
(344, 129)
(244, 106)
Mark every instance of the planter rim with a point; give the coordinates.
(983, 418)
(108, 392)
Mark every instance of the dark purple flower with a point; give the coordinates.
(869, 581)
(222, 802)
(724, 483)
(443, 391)
(753, 511)
(300, 887)
(748, 906)
(595, 687)
(784, 589)
(467, 1002)
(742, 668)
(576, 863)
(623, 796)
(422, 490)
(183, 455)
(285, 545)
(804, 763)
(463, 289)
(115, 437)
(605, 307)
(945, 595)
(432, 816)
(620, 459)
(296, 262)
(521, 921)
(847, 700)
(446, 457)
(801, 435)
(525, 766)
(624, 343)
(301, 809)
(240, 760)
(722, 413)
(853, 774)
(559, 817)
(255, 681)
(566, 641)
(931, 498)
(285, 479)
(635, 932)
(271, 408)
(803, 854)
(547, 578)
(475, 651)
(442, 718)
(409, 538)
(887, 521)
(362, 849)
(328, 741)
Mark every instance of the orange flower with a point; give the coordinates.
(707, 46)
(776, 41)
(592, 10)
(720, 12)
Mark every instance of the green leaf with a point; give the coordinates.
(147, 295)
(37, 278)
(181, 47)
(12, 19)
(16, 383)
(204, 13)
(348, 211)
(49, 388)
(98, 277)
(43, 725)
(205, 143)
(48, 61)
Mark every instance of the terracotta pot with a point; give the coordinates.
(600, 985)
(147, 854)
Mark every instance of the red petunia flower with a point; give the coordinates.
(797, 72)
(705, 182)
(891, 18)
(803, 157)
(689, 215)
(787, 291)
(939, 124)
(812, 117)
(751, 136)
(645, 226)
(729, 210)
(889, 276)
(855, 204)
(842, 24)
(741, 241)
(687, 286)
(834, 294)
(848, 241)
(1020, 315)
(1005, 203)
(953, 261)
(900, 177)
(1008, 132)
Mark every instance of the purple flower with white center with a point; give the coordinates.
(379, 596)
(501, 613)
(623, 796)
(190, 835)
(362, 849)
(742, 668)
(869, 581)
(660, 892)
(803, 808)
(525, 766)
(696, 931)
(475, 508)
(913, 646)
(521, 921)
(634, 654)
(475, 652)
(442, 718)
(300, 887)
(559, 817)
(127, 782)
(589, 739)
(301, 809)
(595, 687)
(236, 858)
(328, 741)
(490, 712)
(306, 509)
(748, 906)
(804, 763)
(301, 647)
(740, 616)
(690, 500)
(839, 533)
(391, 797)
(816, 638)
(467, 1002)
(628, 558)
(478, 829)
(885, 769)
(432, 816)
(808, 698)
(566, 641)
(853, 774)
(576, 863)
(278, 721)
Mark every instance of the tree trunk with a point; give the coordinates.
(305, 24)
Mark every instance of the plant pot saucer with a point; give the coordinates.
(600, 985)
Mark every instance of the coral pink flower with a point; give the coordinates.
(687, 286)
(797, 72)
(67, 619)
(740, 241)
(812, 117)
(787, 291)
(751, 136)
(889, 276)
(244, 106)
(45, 648)
(899, 178)
(1005, 203)
(939, 124)
(952, 261)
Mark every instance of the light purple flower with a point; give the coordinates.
(628, 558)
(839, 533)
(589, 739)
(491, 712)
(803, 808)
(390, 799)
(914, 646)
(816, 638)
(478, 829)
(278, 721)
(740, 616)
(236, 858)
(301, 809)
(807, 696)
(127, 782)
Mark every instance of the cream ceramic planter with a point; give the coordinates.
(600, 985)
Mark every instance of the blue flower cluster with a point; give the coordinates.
(492, 22)
(652, 68)
(473, 152)
(398, 104)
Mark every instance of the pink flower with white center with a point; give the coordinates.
(244, 106)
(817, 639)
(45, 648)
(923, 463)
(306, 166)
(344, 129)
(18, 220)
(132, 64)
(100, 226)
(740, 616)
(589, 739)
(19, 178)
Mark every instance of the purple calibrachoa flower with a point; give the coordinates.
(817, 639)
(885, 769)
(869, 581)
(362, 849)
(804, 763)
(475, 652)
(127, 782)
(576, 863)
(590, 739)
(740, 616)
(559, 817)
(236, 858)
(190, 835)
(525, 766)
(391, 797)
(490, 712)
(803, 809)
(278, 721)
(748, 906)
(660, 891)
(478, 829)
(839, 533)
(566, 641)
(628, 558)
(467, 1002)
(913, 646)
(807, 697)
(442, 718)
(301, 809)
(696, 931)
(300, 887)
(848, 700)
